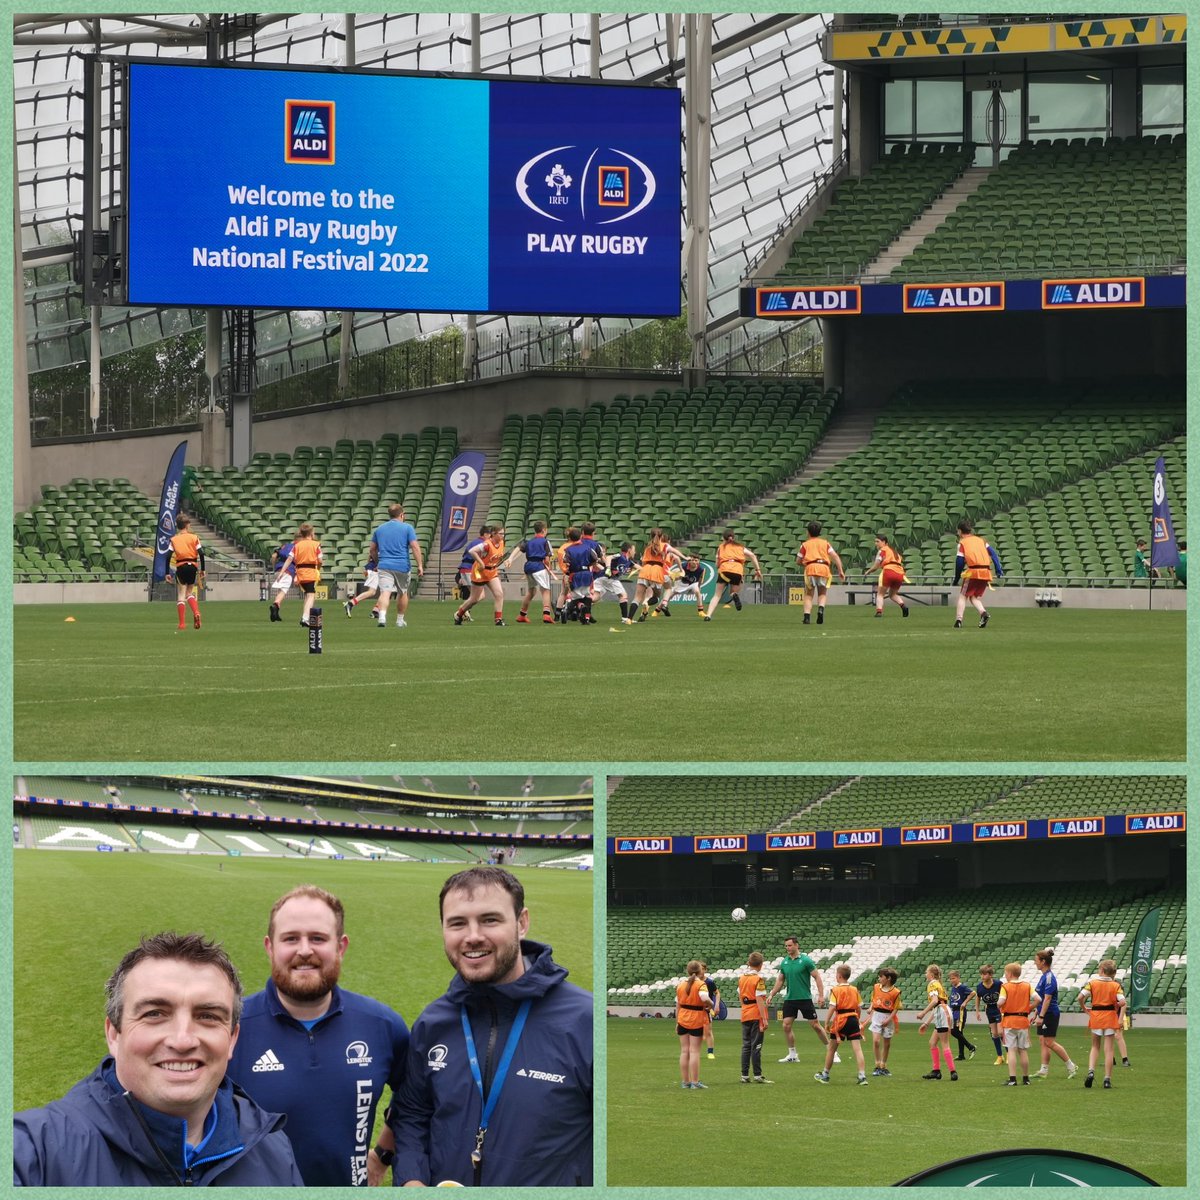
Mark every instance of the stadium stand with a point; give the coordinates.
(473, 835)
(647, 948)
(657, 459)
(650, 806)
(541, 787)
(653, 805)
(1057, 470)
(1115, 205)
(82, 529)
(873, 800)
(1060, 796)
(866, 214)
(1082, 530)
(999, 443)
(344, 490)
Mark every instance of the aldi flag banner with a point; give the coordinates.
(1163, 550)
(168, 509)
(1143, 961)
(458, 499)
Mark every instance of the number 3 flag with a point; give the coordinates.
(1163, 551)
(458, 499)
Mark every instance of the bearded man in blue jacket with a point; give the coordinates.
(159, 1111)
(498, 1091)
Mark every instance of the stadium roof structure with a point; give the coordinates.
(772, 120)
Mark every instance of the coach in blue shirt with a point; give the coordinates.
(395, 551)
(317, 1053)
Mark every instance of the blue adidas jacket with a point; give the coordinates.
(328, 1079)
(540, 1134)
(93, 1138)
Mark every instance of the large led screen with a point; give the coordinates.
(261, 188)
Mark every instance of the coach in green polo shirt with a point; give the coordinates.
(799, 974)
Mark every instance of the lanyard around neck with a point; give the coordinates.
(510, 1046)
(493, 1094)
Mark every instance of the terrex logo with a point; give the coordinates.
(309, 132)
(544, 1076)
(572, 181)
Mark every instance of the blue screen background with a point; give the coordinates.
(448, 150)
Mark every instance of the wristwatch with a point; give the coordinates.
(385, 1156)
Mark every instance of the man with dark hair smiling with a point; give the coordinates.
(318, 1053)
(160, 1110)
(499, 1085)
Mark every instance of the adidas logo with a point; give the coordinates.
(268, 1062)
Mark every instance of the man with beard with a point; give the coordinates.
(318, 1053)
(499, 1085)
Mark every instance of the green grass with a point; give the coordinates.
(797, 1131)
(75, 914)
(756, 686)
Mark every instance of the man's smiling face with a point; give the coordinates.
(175, 1039)
(482, 934)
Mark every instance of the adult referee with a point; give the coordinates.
(799, 974)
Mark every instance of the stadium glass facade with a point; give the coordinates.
(999, 109)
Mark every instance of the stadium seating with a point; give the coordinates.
(1058, 471)
(505, 787)
(1083, 530)
(1116, 205)
(196, 836)
(998, 443)
(1092, 795)
(866, 215)
(79, 531)
(344, 490)
(659, 459)
(1085, 922)
(653, 805)
(878, 800)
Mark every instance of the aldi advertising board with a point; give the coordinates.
(271, 188)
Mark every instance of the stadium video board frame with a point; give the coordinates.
(327, 188)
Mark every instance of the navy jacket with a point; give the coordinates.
(92, 1138)
(540, 1133)
(328, 1079)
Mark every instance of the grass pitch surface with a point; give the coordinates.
(798, 1132)
(75, 914)
(758, 685)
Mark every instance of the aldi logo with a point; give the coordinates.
(1174, 822)
(1116, 292)
(309, 134)
(922, 835)
(614, 187)
(802, 301)
(1001, 831)
(1075, 827)
(846, 839)
(954, 297)
(791, 841)
(713, 845)
(644, 845)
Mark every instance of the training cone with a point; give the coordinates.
(68, 620)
